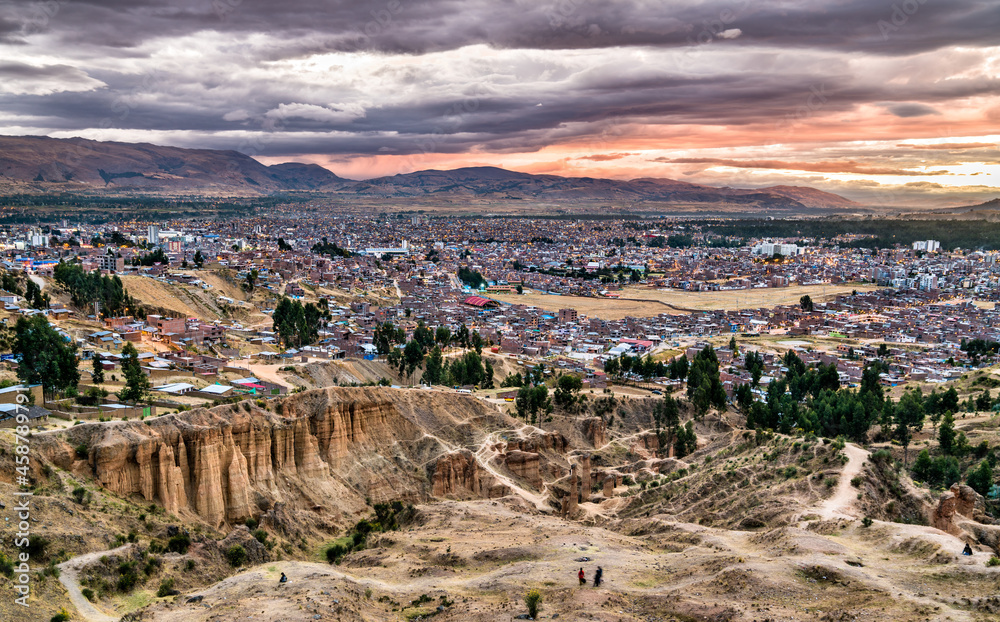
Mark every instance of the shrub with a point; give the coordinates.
(62, 616)
(88, 594)
(82, 451)
(251, 523)
(179, 543)
(881, 456)
(866, 522)
(335, 553)
(189, 565)
(856, 481)
(166, 588)
(237, 555)
(36, 546)
(993, 561)
(6, 565)
(128, 578)
(261, 535)
(533, 599)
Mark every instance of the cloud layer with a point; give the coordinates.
(714, 92)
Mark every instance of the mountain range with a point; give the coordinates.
(42, 164)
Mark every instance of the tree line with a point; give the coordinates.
(86, 288)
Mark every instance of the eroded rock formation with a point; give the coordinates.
(326, 449)
(595, 431)
(458, 474)
(525, 465)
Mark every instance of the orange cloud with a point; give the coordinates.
(814, 167)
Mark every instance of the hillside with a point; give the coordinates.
(75, 164)
(750, 526)
(496, 183)
(31, 164)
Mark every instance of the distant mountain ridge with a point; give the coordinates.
(42, 164)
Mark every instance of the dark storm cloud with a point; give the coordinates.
(911, 110)
(448, 123)
(116, 68)
(420, 26)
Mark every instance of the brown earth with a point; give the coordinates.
(748, 527)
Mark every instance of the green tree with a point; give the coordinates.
(434, 370)
(922, 466)
(251, 280)
(463, 335)
(908, 416)
(386, 337)
(612, 367)
(981, 479)
(413, 356)
(806, 303)
(567, 388)
(442, 335)
(136, 381)
(704, 385)
(199, 259)
(946, 434)
(97, 375)
(46, 357)
(488, 373)
(424, 336)
(685, 440)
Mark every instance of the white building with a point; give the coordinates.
(927, 245)
(768, 249)
(153, 236)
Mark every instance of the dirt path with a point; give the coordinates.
(841, 504)
(488, 451)
(69, 576)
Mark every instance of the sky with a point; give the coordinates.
(887, 103)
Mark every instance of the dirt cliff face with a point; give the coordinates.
(324, 452)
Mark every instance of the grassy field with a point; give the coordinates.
(644, 302)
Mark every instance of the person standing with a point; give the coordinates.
(597, 576)
(583, 577)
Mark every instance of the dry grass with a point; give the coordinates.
(604, 308)
(154, 293)
(744, 298)
(645, 302)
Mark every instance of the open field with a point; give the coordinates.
(744, 298)
(152, 292)
(644, 302)
(604, 308)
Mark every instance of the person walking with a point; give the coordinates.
(583, 577)
(597, 576)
